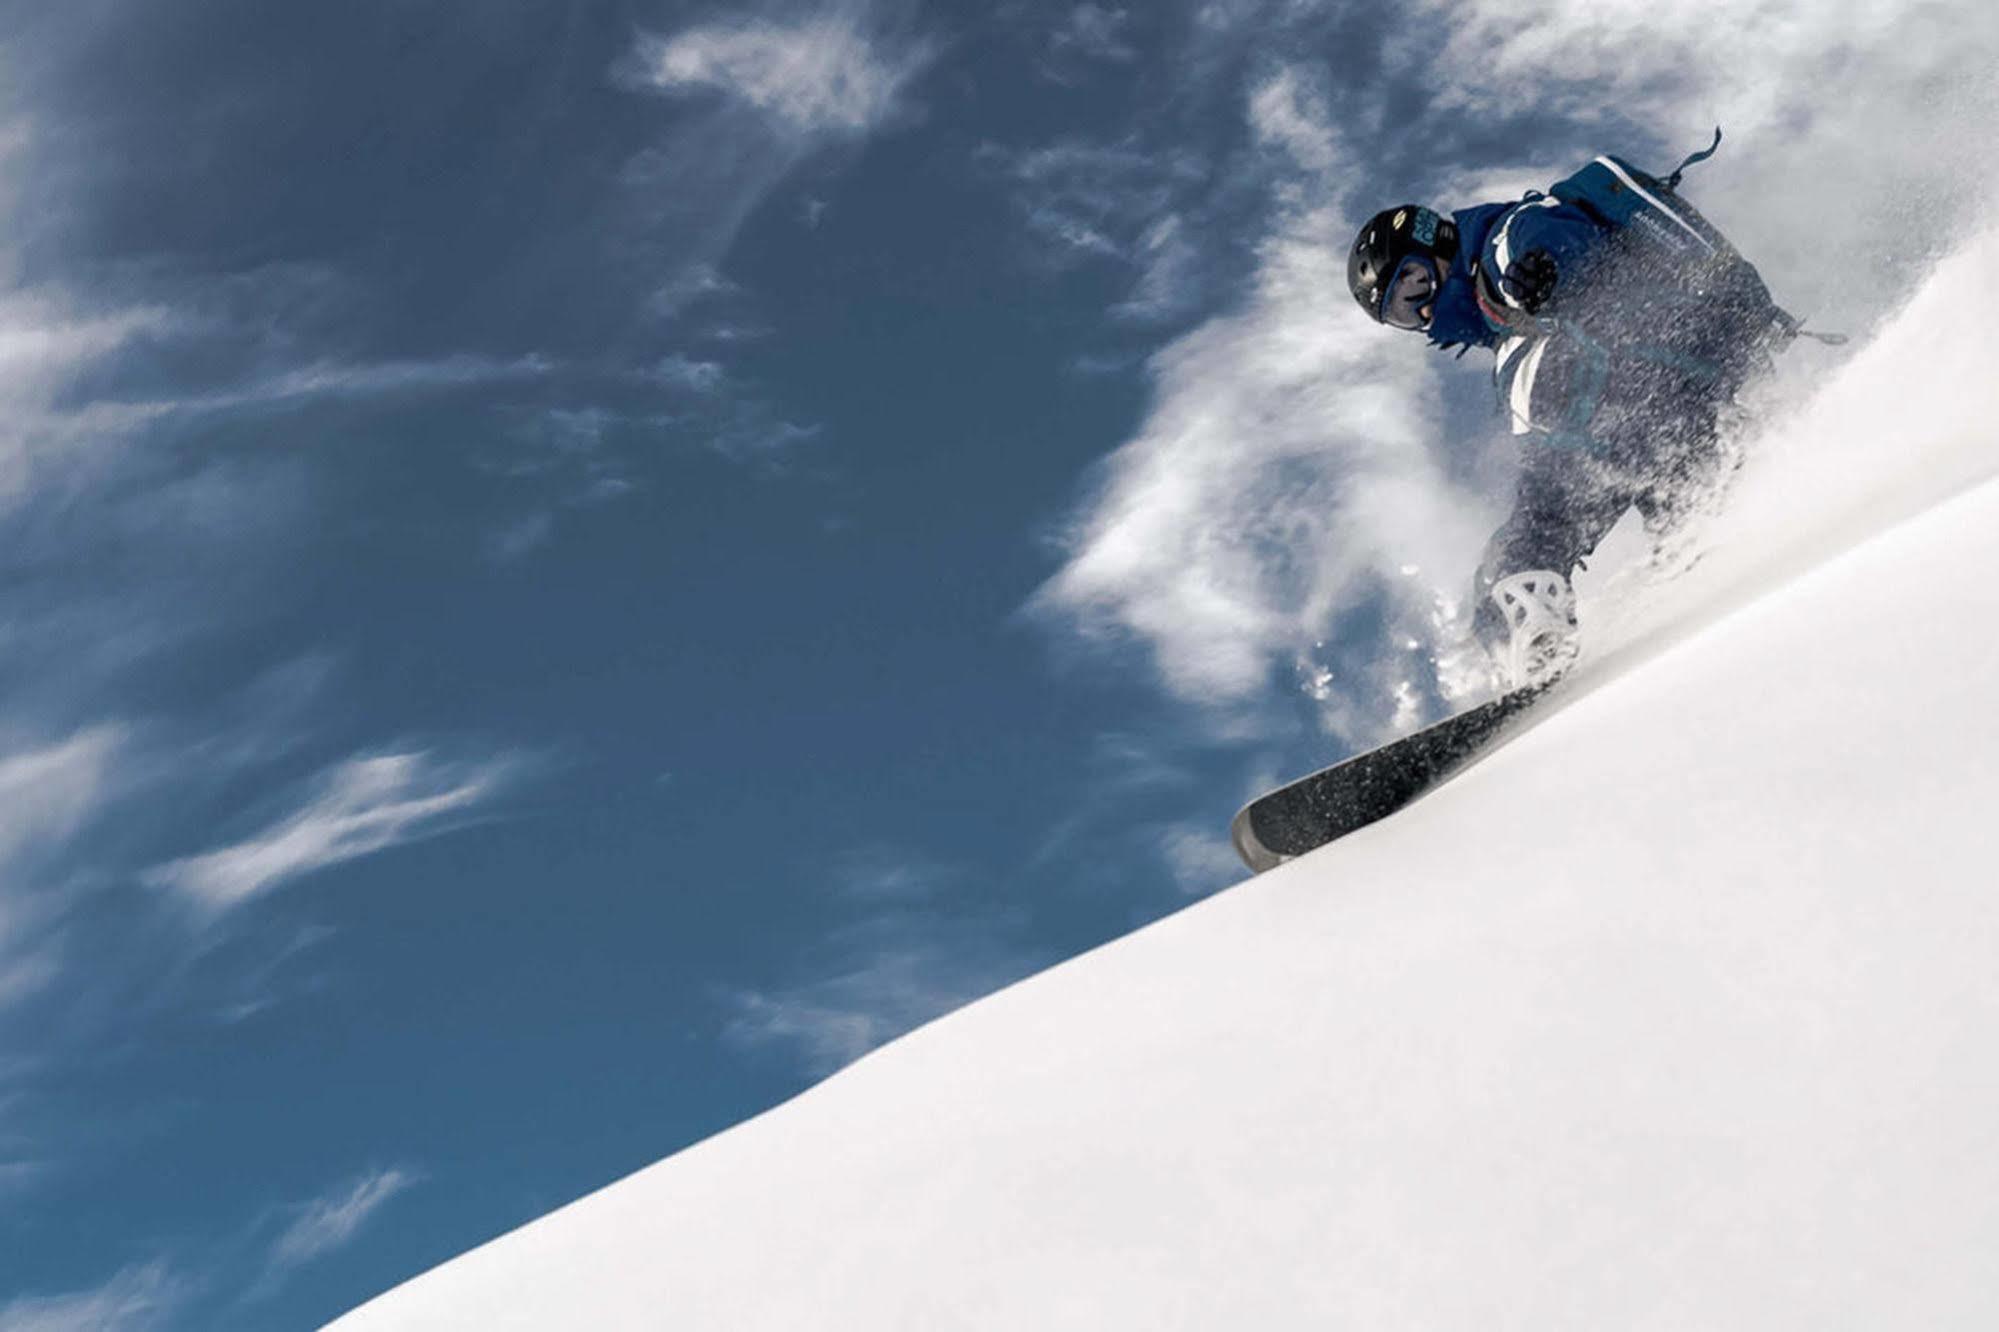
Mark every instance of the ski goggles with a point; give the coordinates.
(1410, 293)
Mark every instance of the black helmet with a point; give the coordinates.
(1390, 237)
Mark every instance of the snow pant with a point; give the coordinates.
(1635, 433)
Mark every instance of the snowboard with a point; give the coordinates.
(1308, 813)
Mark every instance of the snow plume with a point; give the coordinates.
(1905, 424)
(1288, 469)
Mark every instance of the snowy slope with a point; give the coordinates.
(1681, 1011)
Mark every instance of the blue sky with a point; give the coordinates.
(571, 568)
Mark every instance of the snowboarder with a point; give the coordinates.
(1624, 325)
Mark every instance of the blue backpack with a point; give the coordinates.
(1681, 246)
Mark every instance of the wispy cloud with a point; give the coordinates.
(335, 379)
(885, 987)
(1200, 861)
(47, 793)
(1121, 203)
(158, 1293)
(327, 1223)
(136, 1299)
(888, 875)
(17, 1177)
(24, 972)
(91, 426)
(822, 75)
(753, 99)
(47, 796)
(578, 457)
(79, 351)
(750, 101)
(685, 374)
(47, 346)
(918, 951)
(1092, 32)
(517, 539)
(360, 807)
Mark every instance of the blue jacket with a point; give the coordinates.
(1622, 346)
(1492, 236)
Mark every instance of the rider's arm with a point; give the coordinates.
(1540, 249)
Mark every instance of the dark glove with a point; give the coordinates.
(1530, 281)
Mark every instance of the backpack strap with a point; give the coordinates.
(1672, 182)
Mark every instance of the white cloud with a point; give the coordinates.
(1288, 111)
(689, 375)
(888, 874)
(518, 539)
(45, 347)
(754, 99)
(54, 342)
(24, 973)
(879, 993)
(916, 955)
(1098, 31)
(363, 806)
(137, 1298)
(1097, 200)
(1088, 34)
(821, 76)
(17, 1177)
(1120, 203)
(1199, 861)
(318, 380)
(47, 794)
(331, 379)
(328, 1223)
(42, 343)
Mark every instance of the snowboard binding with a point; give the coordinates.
(1539, 608)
